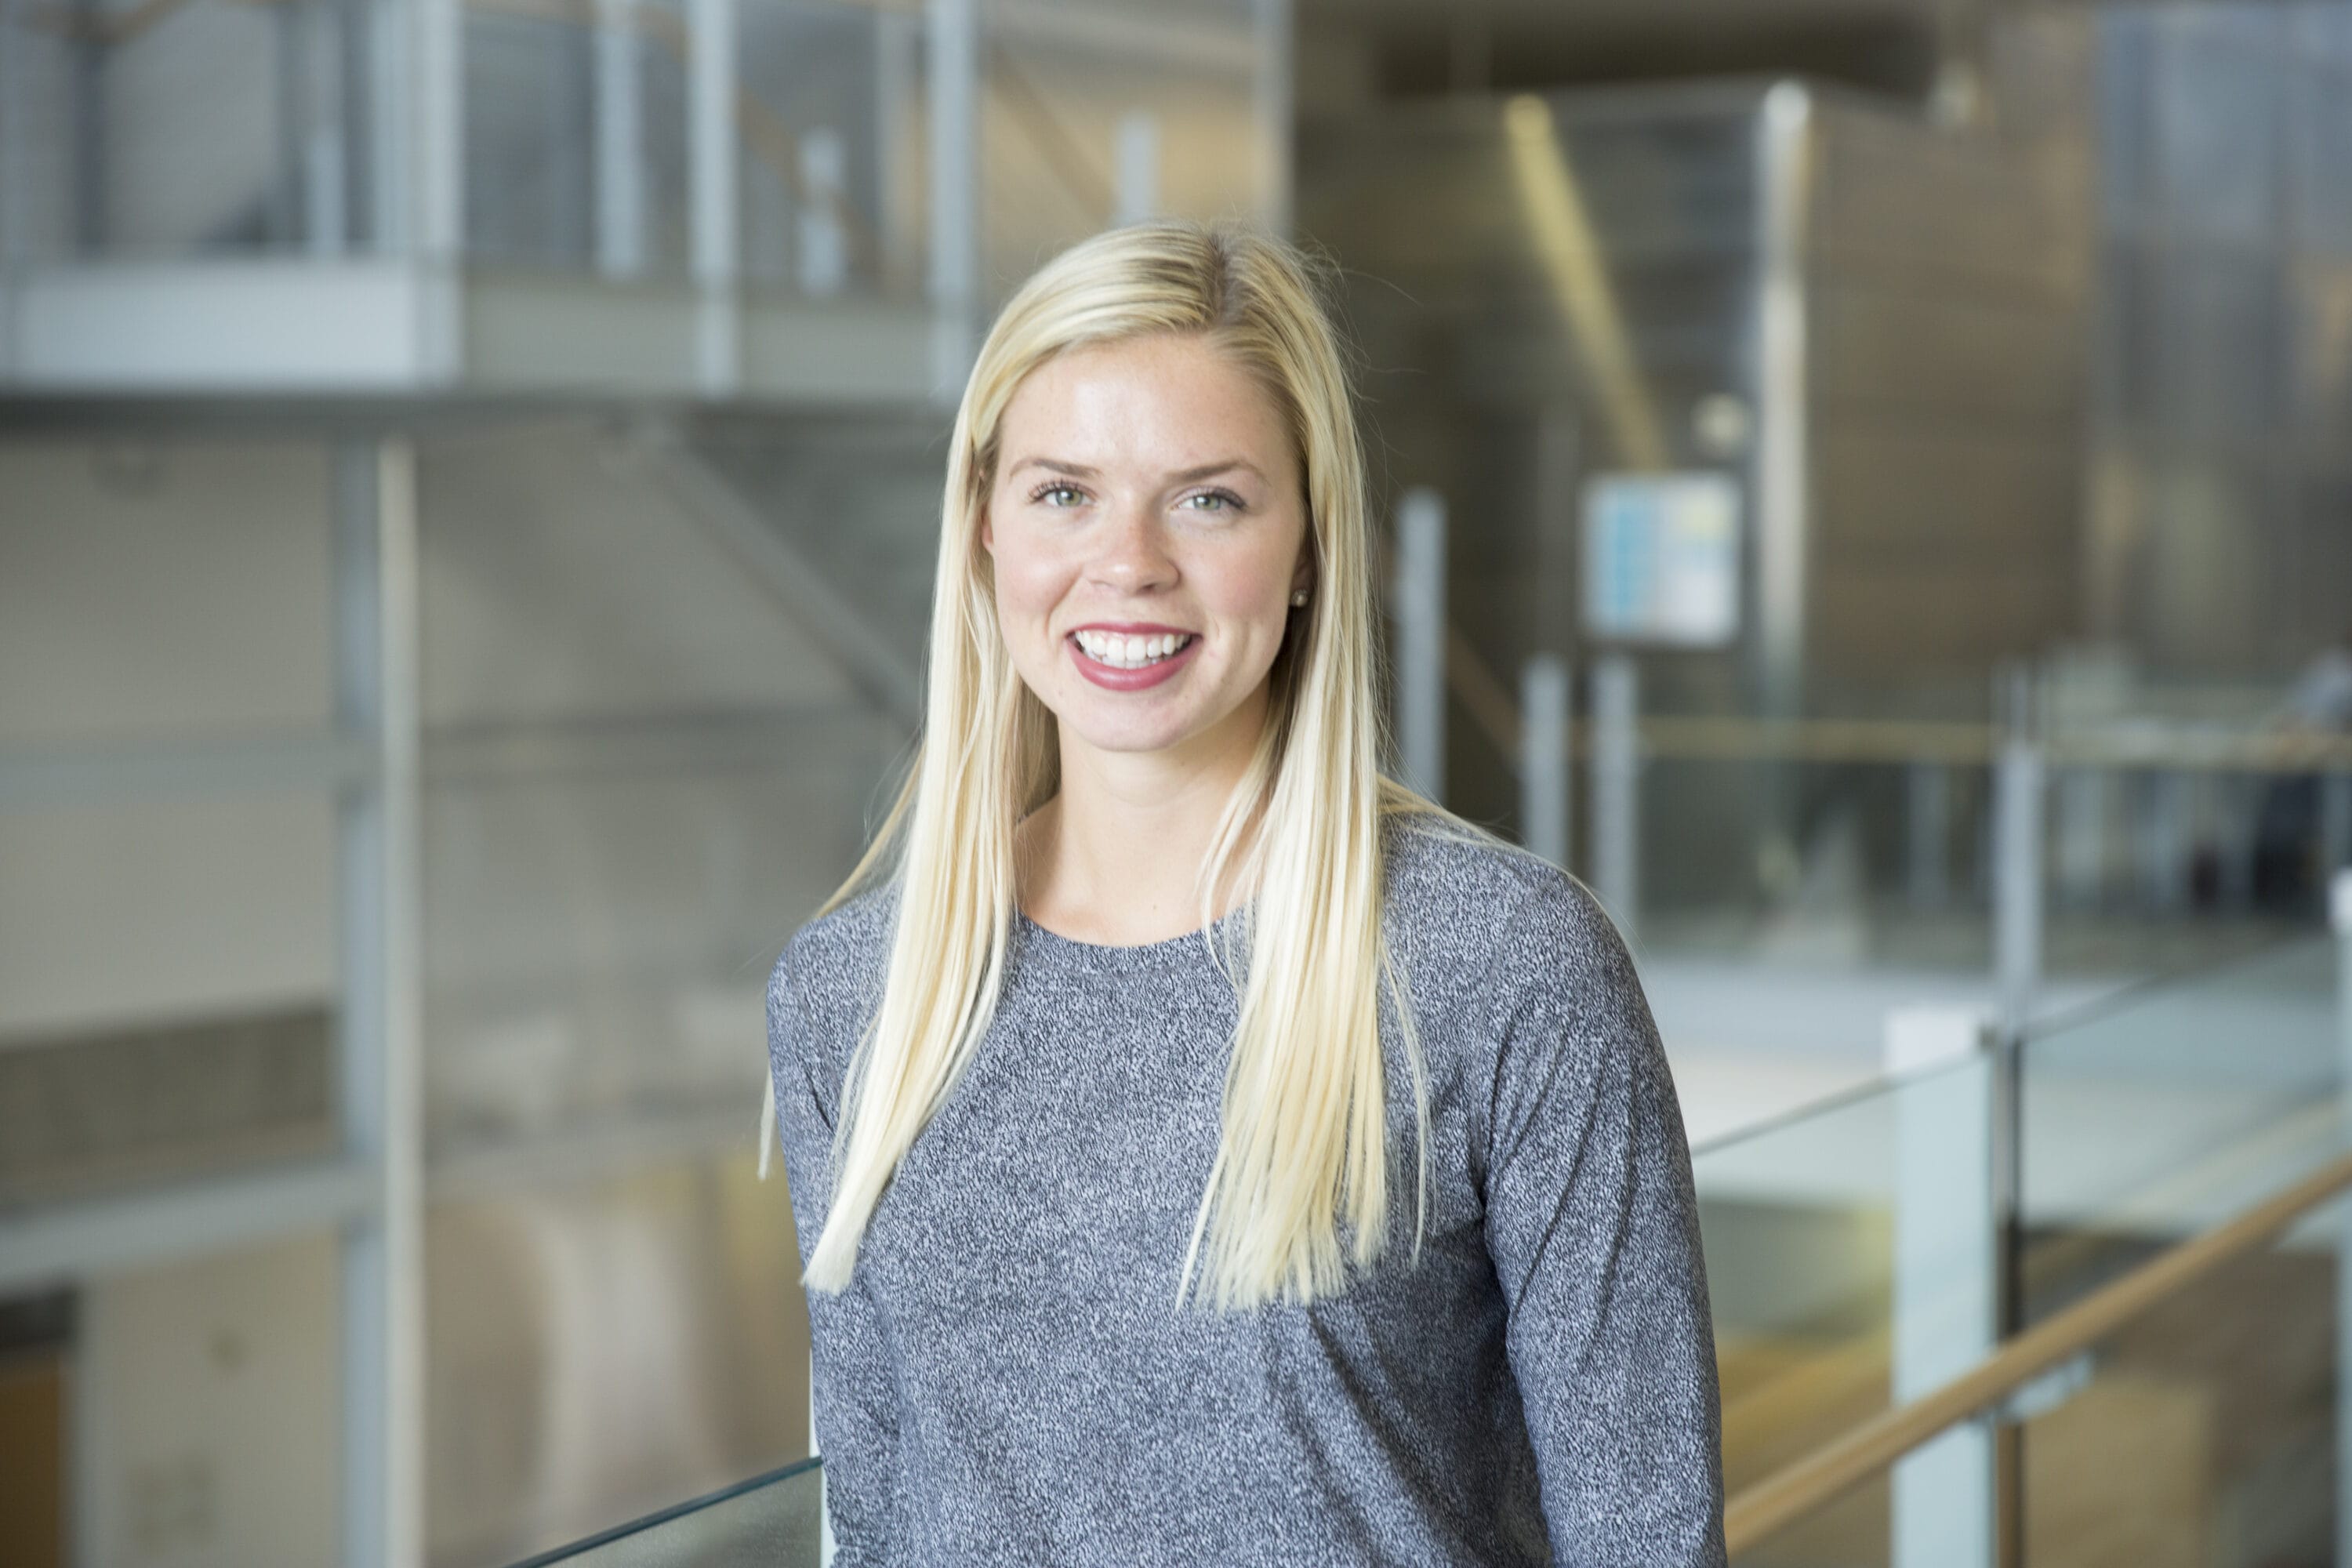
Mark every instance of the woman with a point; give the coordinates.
(1203, 1149)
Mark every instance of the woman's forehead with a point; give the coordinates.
(1164, 403)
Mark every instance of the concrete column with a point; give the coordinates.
(1946, 1290)
(1544, 775)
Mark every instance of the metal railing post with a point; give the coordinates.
(1417, 597)
(378, 1049)
(2019, 790)
(620, 142)
(1948, 1226)
(1135, 157)
(714, 181)
(1271, 95)
(1927, 833)
(953, 64)
(1544, 770)
(2079, 848)
(1616, 847)
(2335, 823)
(2164, 840)
(823, 241)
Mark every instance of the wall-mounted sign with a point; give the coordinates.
(1662, 558)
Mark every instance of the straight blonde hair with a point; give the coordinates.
(1303, 1150)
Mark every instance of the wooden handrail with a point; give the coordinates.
(1493, 707)
(1830, 1471)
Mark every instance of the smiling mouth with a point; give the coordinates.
(1119, 652)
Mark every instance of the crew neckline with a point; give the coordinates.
(1133, 953)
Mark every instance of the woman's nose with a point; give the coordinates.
(1134, 555)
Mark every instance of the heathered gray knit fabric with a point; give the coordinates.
(1005, 1381)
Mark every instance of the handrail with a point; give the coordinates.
(1494, 709)
(1760, 1511)
(1710, 738)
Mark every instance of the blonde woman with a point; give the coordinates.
(1205, 1149)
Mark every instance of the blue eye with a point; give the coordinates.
(1226, 500)
(1055, 487)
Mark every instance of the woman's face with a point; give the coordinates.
(1148, 530)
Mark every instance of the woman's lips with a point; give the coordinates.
(1114, 679)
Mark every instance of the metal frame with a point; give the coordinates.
(376, 690)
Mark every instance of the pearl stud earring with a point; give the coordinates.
(1299, 597)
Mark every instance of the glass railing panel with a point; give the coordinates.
(1097, 112)
(1819, 1293)
(2170, 1108)
(2204, 1431)
(1806, 865)
(832, 127)
(774, 1520)
(611, 1324)
(532, 90)
(188, 128)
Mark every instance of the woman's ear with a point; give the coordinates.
(987, 531)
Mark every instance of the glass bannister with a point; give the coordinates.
(1835, 1268)
(2171, 1107)
(182, 127)
(773, 1520)
(1860, 1258)
(2203, 1430)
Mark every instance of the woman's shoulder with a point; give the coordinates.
(1463, 899)
(828, 971)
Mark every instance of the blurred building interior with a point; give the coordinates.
(1868, 485)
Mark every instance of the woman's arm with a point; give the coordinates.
(856, 1406)
(1592, 1224)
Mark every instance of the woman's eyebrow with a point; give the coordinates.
(1186, 476)
(1182, 476)
(1078, 469)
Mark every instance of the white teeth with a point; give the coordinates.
(1130, 653)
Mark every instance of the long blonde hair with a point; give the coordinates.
(1303, 1147)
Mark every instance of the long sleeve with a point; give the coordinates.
(1592, 1223)
(856, 1410)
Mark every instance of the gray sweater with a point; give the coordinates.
(1007, 1381)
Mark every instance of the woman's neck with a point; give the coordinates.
(1116, 857)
